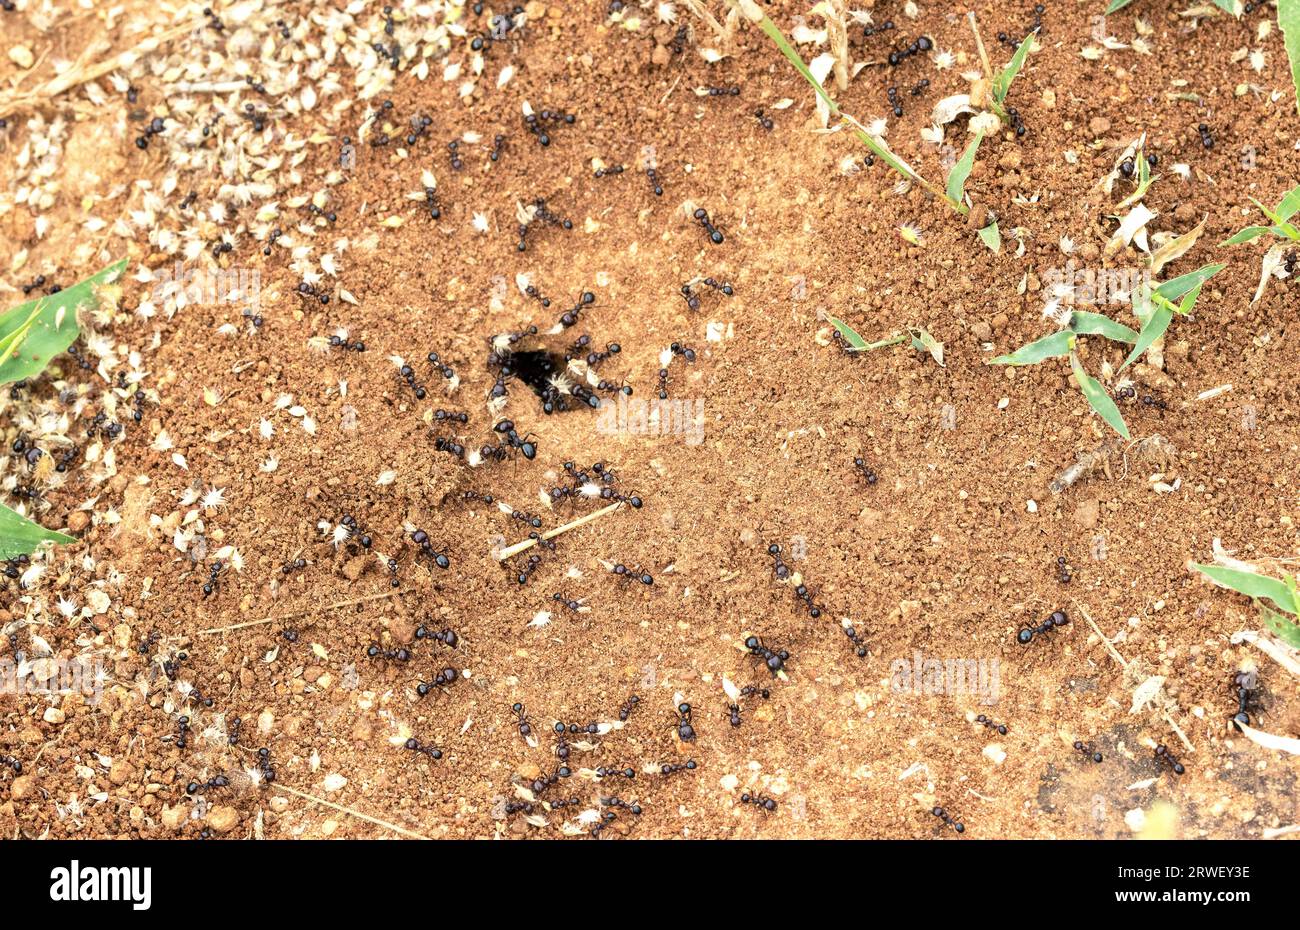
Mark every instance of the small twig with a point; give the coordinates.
(550, 534)
(299, 613)
(979, 44)
(347, 810)
(1114, 653)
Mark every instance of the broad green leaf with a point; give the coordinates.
(1097, 397)
(1251, 584)
(1177, 287)
(1247, 234)
(849, 333)
(991, 237)
(961, 171)
(1117, 5)
(1053, 346)
(20, 536)
(1152, 329)
(1096, 324)
(923, 341)
(51, 322)
(1002, 82)
(1288, 17)
(1231, 7)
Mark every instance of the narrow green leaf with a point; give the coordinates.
(1247, 234)
(961, 171)
(1097, 398)
(1189, 301)
(923, 341)
(1002, 82)
(1231, 7)
(1053, 346)
(1282, 626)
(21, 536)
(1117, 5)
(1251, 584)
(1288, 17)
(1152, 329)
(1177, 287)
(1096, 324)
(53, 324)
(991, 237)
(1289, 205)
(776, 35)
(849, 333)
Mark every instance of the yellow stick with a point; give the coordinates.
(550, 534)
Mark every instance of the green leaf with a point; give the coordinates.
(990, 236)
(774, 33)
(961, 171)
(849, 333)
(1247, 234)
(1251, 584)
(1154, 327)
(1283, 626)
(1002, 82)
(1288, 206)
(21, 536)
(1095, 324)
(50, 323)
(1288, 17)
(1231, 7)
(1177, 287)
(1053, 346)
(1097, 397)
(857, 343)
(1117, 5)
(923, 341)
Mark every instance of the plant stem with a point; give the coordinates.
(549, 534)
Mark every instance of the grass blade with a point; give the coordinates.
(1177, 287)
(961, 171)
(1251, 584)
(50, 324)
(1097, 398)
(924, 342)
(1247, 234)
(20, 536)
(1053, 346)
(776, 35)
(1152, 329)
(1084, 323)
(1117, 5)
(1285, 628)
(1289, 205)
(1002, 83)
(1288, 17)
(991, 237)
(858, 344)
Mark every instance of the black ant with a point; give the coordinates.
(774, 659)
(521, 717)
(1245, 684)
(988, 722)
(1055, 620)
(414, 745)
(671, 768)
(685, 732)
(446, 637)
(628, 706)
(219, 781)
(865, 470)
(400, 654)
(626, 573)
(948, 819)
(758, 800)
(444, 678)
(1087, 750)
(1164, 756)
(214, 578)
